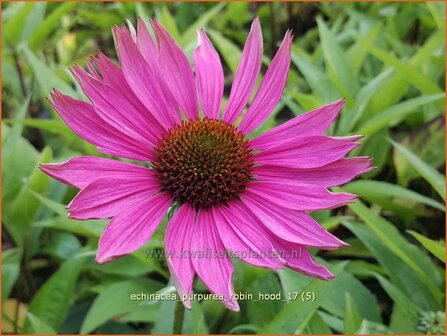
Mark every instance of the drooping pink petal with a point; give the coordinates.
(80, 171)
(332, 174)
(108, 197)
(113, 76)
(83, 120)
(176, 71)
(209, 76)
(298, 196)
(270, 90)
(246, 74)
(294, 226)
(115, 109)
(306, 152)
(142, 79)
(179, 235)
(311, 123)
(299, 259)
(240, 232)
(132, 228)
(210, 260)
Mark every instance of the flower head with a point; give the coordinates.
(249, 196)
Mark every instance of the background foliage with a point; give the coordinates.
(387, 59)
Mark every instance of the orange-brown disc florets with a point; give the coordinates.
(204, 162)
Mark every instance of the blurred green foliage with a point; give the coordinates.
(386, 59)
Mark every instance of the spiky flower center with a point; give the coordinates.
(204, 162)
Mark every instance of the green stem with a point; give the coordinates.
(179, 313)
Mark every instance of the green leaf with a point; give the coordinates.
(13, 30)
(401, 274)
(200, 326)
(51, 22)
(431, 175)
(45, 76)
(373, 190)
(368, 328)
(24, 208)
(229, 51)
(435, 248)
(9, 143)
(10, 270)
(409, 72)
(288, 319)
(352, 316)
(51, 302)
(190, 34)
(406, 251)
(391, 116)
(336, 60)
(38, 326)
(104, 307)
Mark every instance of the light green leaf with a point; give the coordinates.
(352, 316)
(45, 76)
(288, 319)
(435, 248)
(53, 299)
(371, 189)
(391, 116)
(200, 326)
(104, 307)
(10, 270)
(431, 175)
(39, 327)
(229, 51)
(50, 23)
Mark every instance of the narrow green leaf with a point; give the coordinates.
(50, 23)
(336, 60)
(371, 189)
(352, 316)
(391, 116)
(25, 206)
(45, 76)
(288, 319)
(409, 72)
(229, 51)
(39, 327)
(431, 175)
(200, 326)
(53, 299)
(10, 270)
(435, 248)
(104, 307)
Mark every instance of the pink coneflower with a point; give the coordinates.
(229, 192)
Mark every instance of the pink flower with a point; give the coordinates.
(249, 196)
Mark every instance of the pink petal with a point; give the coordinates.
(83, 120)
(179, 234)
(246, 74)
(146, 44)
(143, 80)
(113, 76)
(210, 260)
(80, 171)
(299, 259)
(294, 226)
(298, 196)
(306, 152)
(177, 72)
(209, 76)
(108, 197)
(114, 108)
(332, 174)
(244, 236)
(270, 90)
(311, 123)
(132, 228)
